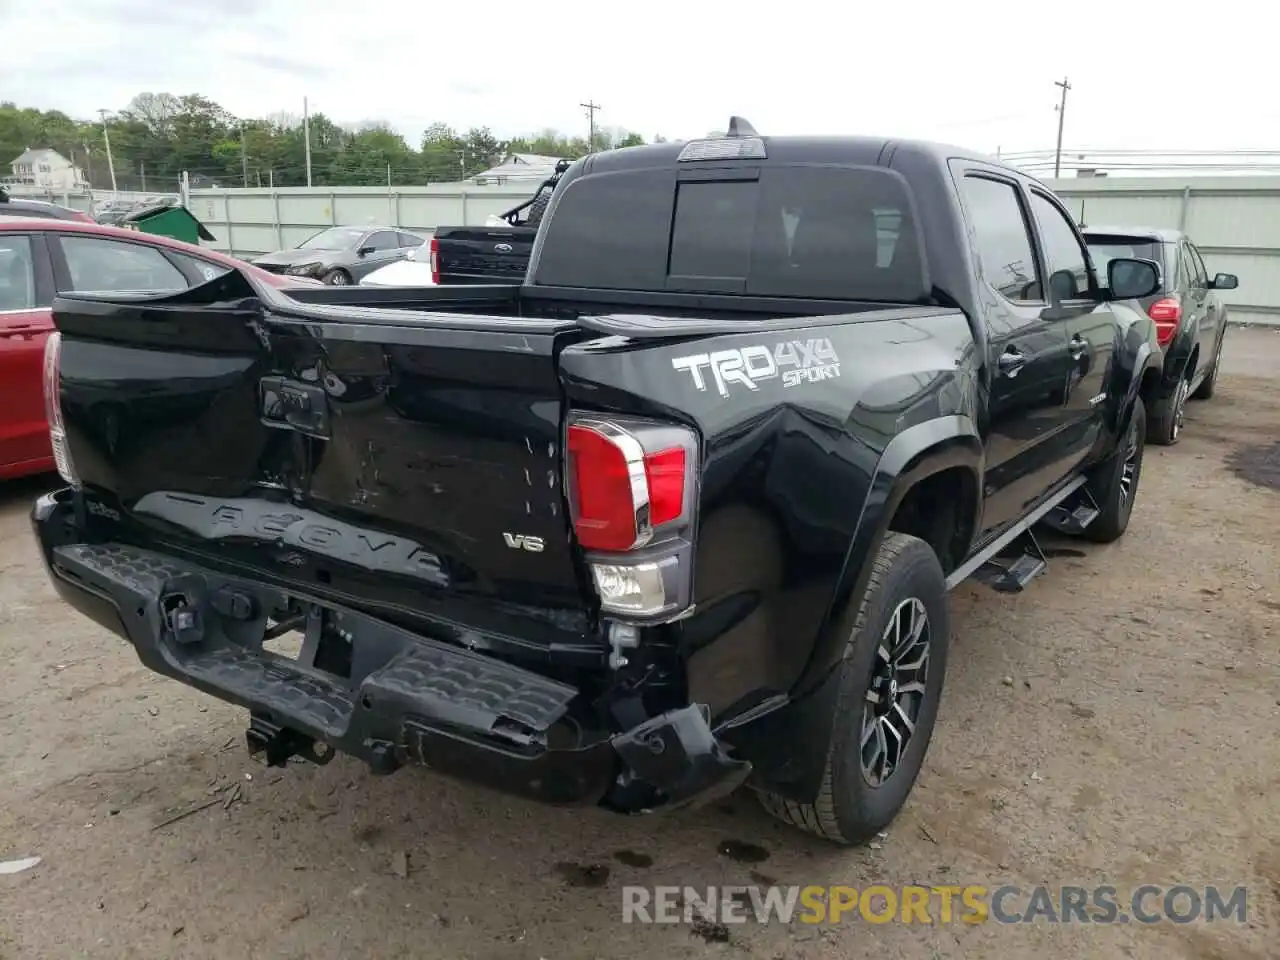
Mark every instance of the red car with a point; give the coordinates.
(41, 258)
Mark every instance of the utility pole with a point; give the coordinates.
(591, 107)
(142, 171)
(306, 133)
(1065, 84)
(244, 158)
(106, 136)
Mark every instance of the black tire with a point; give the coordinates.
(1210, 382)
(850, 808)
(1165, 427)
(1114, 484)
(537, 209)
(337, 277)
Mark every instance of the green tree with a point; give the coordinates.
(158, 135)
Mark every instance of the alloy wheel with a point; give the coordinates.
(895, 697)
(1129, 470)
(1179, 409)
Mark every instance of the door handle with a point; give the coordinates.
(1077, 346)
(1011, 361)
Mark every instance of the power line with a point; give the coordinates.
(106, 137)
(591, 107)
(1065, 84)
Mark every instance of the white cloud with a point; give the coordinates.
(1142, 76)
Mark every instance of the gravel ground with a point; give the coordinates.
(1116, 723)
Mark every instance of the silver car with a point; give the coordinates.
(342, 255)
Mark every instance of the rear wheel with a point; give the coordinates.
(1210, 382)
(1114, 485)
(337, 278)
(890, 686)
(1166, 427)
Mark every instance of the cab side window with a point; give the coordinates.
(1064, 254)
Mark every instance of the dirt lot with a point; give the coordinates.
(1117, 723)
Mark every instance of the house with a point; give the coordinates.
(47, 170)
(517, 168)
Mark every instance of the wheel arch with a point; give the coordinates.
(1148, 373)
(942, 446)
(930, 449)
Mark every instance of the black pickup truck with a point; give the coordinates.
(679, 513)
(487, 255)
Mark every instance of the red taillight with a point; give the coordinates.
(1167, 314)
(435, 260)
(626, 481)
(665, 472)
(53, 409)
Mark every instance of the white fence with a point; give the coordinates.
(1235, 221)
(252, 221)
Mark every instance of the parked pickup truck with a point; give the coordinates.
(679, 513)
(493, 254)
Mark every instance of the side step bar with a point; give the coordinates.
(1073, 519)
(1015, 558)
(1018, 565)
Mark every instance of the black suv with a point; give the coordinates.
(1190, 318)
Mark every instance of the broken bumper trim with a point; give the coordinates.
(404, 699)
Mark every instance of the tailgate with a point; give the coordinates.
(484, 253)
(393, 459)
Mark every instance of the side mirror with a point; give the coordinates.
(1224, 281)
(1132, 279)
(364, 251)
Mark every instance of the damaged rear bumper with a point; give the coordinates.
(393, 698)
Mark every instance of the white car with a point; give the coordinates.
(413, 271)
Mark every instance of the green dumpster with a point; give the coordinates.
(167, 221)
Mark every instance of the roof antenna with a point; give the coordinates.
(740, 128)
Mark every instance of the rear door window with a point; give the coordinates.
(17, 274)
(1002, 237)
(101, 265)
(382, 240)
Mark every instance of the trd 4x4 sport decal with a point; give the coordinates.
(794, 361)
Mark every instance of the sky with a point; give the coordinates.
(1143, 76)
